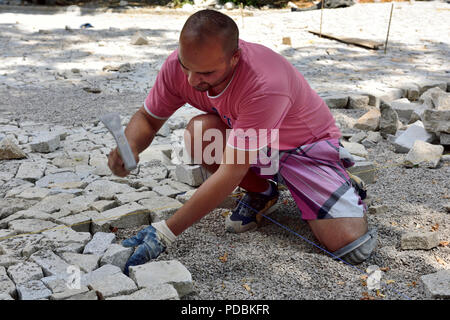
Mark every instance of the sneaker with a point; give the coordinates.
(243, 218)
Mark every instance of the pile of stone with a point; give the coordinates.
(414, 118)
(60, 203)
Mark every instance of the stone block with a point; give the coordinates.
(193, 175)
(34, 193)
(388, 120)
(415, 131)
(114, 285)
(116, 255)
(436, 120)
(24, 272)
(365, 170)
(444, 139)
(33, 290)
(358, 137)
(71, 293)
(99, 274)
(30, 225)
(358, 101)
(378, 209)
(50, 263)
(107, 190)
(404, 108)
(437, 285)
(71, 159)
(56, 178)
(369, 121)
(423, 154)
(160, 208)
(10, 150)
(157, 292)
(167, 191)
(5, 296)
(103, 205)
(31, 171)
(139, 39)
(126, 216)
(78, 222)
(355, 148)
(7, 286)
(99, 243)
(419, 240)
(133, 196)
(45, 142)
(336, 101)
(64, 238)
(160, 272)
(86, 262)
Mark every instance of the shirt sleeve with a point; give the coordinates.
(258, 123)
(164, 99)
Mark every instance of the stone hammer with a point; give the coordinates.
(113, 124)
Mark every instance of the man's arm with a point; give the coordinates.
(140, 132)
(213, 191)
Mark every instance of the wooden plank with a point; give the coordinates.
(368, 44)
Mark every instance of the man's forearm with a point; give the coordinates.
(140, 132)
(207, 197)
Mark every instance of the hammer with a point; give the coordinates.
(113, 124)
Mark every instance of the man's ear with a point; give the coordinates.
(235, 58)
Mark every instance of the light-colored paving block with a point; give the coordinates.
(86, 262)
(157, 292)
(24, 272)
(126, 216)
(33, 290)
(415, 240)
(160, 272)
(116, 255)
(50, 263)
(7, 286)
(160, 208)
(99, 243)
(437, 285)
(114, 285)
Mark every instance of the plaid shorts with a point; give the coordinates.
(316, 177)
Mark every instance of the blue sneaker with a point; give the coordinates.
(244, 218)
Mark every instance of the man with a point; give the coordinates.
(257, 100)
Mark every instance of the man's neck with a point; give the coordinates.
(214, 91)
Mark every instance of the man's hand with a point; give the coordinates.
(149, 246)
(115, 163)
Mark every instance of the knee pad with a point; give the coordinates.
(358, 250)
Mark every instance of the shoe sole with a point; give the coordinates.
(237, 227)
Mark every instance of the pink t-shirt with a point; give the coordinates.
(267, 95)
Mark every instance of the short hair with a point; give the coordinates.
(206, 24)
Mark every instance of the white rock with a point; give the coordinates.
(99, 243)
(86, 262)
(374, 278)
(437, 285)
(116, 255)
(31, 171)
(24, 272)
(160, 272)
(416, 131)
(139, 39)
(45, 142)
(50, 263)
(424, 154)
(33, 290)
(157, 292)
(7, 286)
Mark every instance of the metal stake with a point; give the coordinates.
(389, 27)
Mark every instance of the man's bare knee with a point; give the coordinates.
(336, 233)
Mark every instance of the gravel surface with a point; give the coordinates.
(42, 76)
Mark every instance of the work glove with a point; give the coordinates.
(150, 243)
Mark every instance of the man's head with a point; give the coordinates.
(208, 50)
